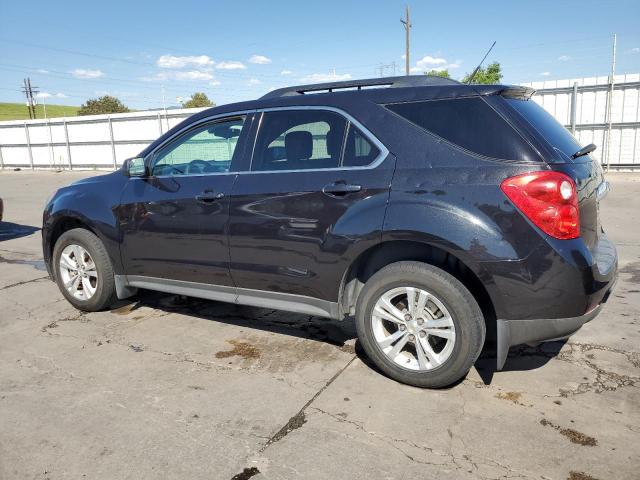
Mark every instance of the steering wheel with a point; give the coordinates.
(198, 166)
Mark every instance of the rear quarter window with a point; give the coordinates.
(547, 126)
(469, 123)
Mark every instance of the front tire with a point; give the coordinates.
(419, 324)
(83, 270)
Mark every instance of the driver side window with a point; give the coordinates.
(205, 149)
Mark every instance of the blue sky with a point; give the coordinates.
(237, 50)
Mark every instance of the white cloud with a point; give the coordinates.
(193, 75)
(545, 74)
(50, 95)
(42, 70)
(231, 65)
(259, 59)
(325, 77)
(438, 64)
(214, 83)
(188, 75)
(286, 72)
(86, 74)
(171, 61)
(253, 81)
(564, 58)
(634, 50)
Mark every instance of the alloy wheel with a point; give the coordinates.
(413, 328)
(78, 272)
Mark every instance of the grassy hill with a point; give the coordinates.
(18, 111)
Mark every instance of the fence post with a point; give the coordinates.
(26, 131)
(574, 106)
(66, 141)
(113, 146)
(159, 123)
(1, 159)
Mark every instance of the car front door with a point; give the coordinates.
(314, 197)
(173, 222)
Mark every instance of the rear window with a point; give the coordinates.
(469, 123)
(547, 126)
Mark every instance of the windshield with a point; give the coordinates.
(554, 133)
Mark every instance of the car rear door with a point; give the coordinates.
(174, 222)
(314, 198)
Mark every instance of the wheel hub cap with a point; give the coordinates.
(78, 272)
(413, 328)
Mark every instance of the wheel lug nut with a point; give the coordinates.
(420, 321)
(422, 334)
(407, 317)
(412, 337)
(403, 328)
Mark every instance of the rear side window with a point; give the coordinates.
(547, 126)
(299, 140)
(310, 140)
(469, 123)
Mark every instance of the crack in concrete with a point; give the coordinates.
(605, 380)
(24, 282)
(299, 418)
(448, 457)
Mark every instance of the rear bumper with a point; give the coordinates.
(516, 332)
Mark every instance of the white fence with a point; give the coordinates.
(105, 141)
(582, 105)
(97, 141)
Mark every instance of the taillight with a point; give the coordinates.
(548, 199)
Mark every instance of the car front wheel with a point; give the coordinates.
(419, 324)
(83, 270)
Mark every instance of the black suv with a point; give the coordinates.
(435, 213)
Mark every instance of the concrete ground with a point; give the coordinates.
(166, 388)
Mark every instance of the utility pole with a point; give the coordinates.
(28, 91)
(610, 101)
(407, 28)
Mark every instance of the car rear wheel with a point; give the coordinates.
(419, 324)
(83, 270)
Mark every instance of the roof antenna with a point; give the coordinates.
(472, 76)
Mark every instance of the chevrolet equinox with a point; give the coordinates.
(434, 213)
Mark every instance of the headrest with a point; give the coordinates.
(299, 145)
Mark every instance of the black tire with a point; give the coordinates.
(467, 318)
(105, 289)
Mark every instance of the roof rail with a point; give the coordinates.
(391, 82)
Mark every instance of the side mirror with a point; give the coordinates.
(136, 167)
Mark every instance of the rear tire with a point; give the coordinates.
(83, 270)
(428, 309)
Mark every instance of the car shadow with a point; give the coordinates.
(333, 332)
(520, 358)
(9, 230)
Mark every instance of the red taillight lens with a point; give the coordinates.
(548, 199)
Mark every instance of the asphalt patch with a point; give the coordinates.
(580, 476)
(246, 473)
(240, 349)
(510, 396)
(574, 436)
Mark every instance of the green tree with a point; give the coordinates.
(438, 73)
(105, 104)
(491, 74)
(198, 100)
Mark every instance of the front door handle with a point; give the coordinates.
(340, 188)
(209, 197)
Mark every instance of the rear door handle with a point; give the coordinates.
(209, 197)
(340, 188)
